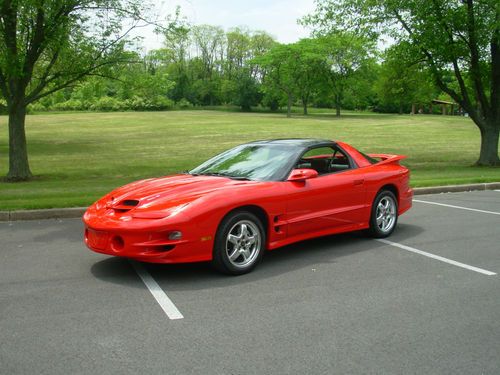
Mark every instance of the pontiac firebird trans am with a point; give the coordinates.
(256, 196)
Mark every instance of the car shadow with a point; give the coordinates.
(117, 271)
(198, 276)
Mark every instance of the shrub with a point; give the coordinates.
(36, 107)
(184, 104)
(107, 103)
(161, 103)
(136, 103)
(68, 105)
(158, 103)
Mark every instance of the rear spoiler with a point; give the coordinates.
(386, 158)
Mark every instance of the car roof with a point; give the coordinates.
(295, 142)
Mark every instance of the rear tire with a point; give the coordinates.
(384, 214)
(239, 243)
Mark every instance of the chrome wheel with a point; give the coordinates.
(386, 214)
(243, 243)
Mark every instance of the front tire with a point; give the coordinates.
(239, 243)
(384, 214)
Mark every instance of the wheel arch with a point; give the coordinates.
(392, 188)
(254, 209)
(218, 259)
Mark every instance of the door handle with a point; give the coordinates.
(359, 182)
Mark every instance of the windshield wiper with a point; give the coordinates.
(218, 174)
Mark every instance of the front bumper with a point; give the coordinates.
(146, 240)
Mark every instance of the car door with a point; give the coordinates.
(334, 199)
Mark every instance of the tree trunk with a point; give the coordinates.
(400, 108)
(304, 104)
(246, 107)
(337, 105)
(19, 169)
(488, 155)
(289, 107)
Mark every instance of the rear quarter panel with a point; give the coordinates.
(386, 173)
(393, 175)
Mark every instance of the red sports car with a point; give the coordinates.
(256, 196)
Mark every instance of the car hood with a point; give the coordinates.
(161, 195)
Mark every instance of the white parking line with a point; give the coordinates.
(459, 207)
(161, 297)
(437, 257)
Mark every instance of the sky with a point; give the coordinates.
(278, 18)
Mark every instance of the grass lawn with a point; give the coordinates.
(78, 157)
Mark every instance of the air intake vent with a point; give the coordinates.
(125, 205)
(130, 202)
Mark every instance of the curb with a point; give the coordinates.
(456, 188)
(51, 213)
(75, 212)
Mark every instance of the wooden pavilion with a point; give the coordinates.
(447, 108)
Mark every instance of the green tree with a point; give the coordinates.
(402, 82)
(281, 67)
(294, 69)
(146, 80)
(237, 51)
(209, 66)
(360, 93)
(48, 45)
(344, 55)
(462, 37)
(247, 92)
(309, 69)
(175, 56)
(260, 44)
(209, 45)
(235, 77)
(248, 84)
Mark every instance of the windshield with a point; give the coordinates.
(251, 161)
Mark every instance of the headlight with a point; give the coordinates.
(159, 214)
(151, 215)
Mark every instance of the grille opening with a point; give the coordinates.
(160, 248)
(117, 243)
(130, 202)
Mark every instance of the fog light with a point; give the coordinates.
(176, 235)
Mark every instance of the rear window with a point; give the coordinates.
(369, 158)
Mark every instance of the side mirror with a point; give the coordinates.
(300, 175)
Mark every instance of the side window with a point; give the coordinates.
(340, 162)
(318, 159)
(324, 160)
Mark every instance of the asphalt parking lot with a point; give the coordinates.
(427, 302)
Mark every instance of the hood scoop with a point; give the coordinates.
(125, 205)
(130, 202)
